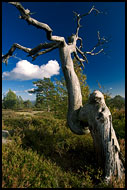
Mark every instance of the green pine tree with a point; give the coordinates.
(82, 79)
(10, 100)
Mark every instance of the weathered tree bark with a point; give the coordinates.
(95, 116)
(105, 142)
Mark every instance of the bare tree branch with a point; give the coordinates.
(92, 9)
(101, 41)
(98, 35)
(78, 16)
(30, 51)
(83, 55)
(25, 14)
(78, 23)
(81, 44)
(46, 51)
(90, 53)
(10, 52)
(42, 46)
(79, 59)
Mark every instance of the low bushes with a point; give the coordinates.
(44, 153)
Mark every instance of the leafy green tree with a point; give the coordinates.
(45, 93)
(53, 95)
(20, 102)
(27, 104)
(61, 98)
(117, 102)
(82, 79)
(106, 93)
(10, 100)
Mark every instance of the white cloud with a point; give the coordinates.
(15, 91)
(110, 88)
(31, 89)
(25, 70)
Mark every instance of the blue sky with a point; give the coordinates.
(109, 70)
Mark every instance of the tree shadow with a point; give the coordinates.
(75, 158)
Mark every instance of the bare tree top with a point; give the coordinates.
(25, 14)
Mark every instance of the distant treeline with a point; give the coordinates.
(11, 101)
(116, 102)
(49, 100)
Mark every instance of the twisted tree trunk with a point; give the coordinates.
(73, 87)
(105, 141)
(95, 116)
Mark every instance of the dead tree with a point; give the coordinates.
(95, 115)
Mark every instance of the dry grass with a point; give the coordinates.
(28, 112)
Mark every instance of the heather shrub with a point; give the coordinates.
(118, 120)
(44, 153)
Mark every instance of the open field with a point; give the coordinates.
(25, 113)
(32, 113)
